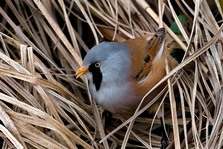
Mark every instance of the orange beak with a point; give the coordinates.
(81, 71)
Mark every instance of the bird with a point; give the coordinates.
(120, 73)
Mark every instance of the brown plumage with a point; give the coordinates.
(147, 66)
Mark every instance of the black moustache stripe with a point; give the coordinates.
(97, 75)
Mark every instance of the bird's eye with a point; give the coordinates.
(97, 64)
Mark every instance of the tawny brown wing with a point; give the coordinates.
(144, 51)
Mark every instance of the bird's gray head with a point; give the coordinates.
(107, 62)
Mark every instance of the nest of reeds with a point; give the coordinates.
(43, 105)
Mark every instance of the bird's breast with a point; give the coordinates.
(116, 97)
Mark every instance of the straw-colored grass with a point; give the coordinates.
(42, 105)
